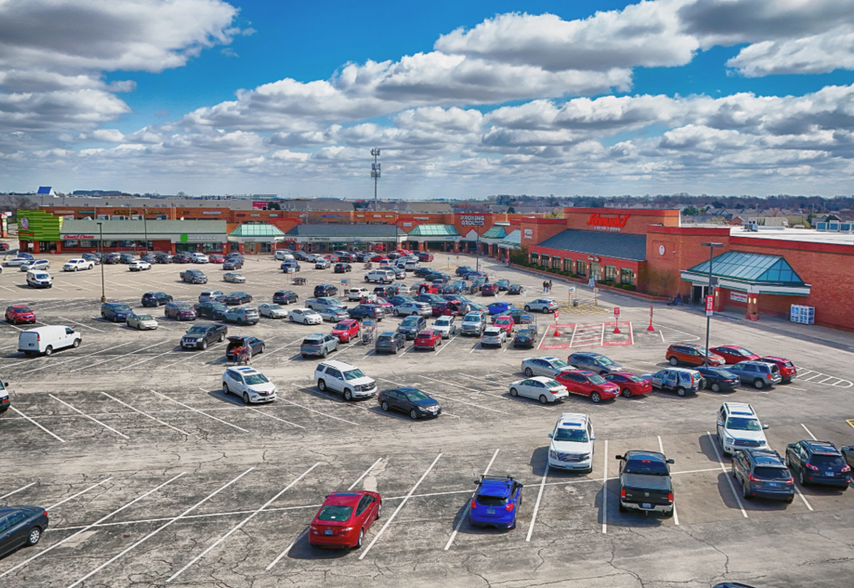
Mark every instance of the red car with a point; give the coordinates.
(216, 258)
(505, 322)
(380, 301)
(346, 330)
(630, 384)
(428, 340)
(332, 258)
(734, 354)
(426, 288)
(692, 355)
(379, 258)
(586, 383)
(788, 371)
(20, 314)
(488, 290)
(344, 518)
(453, 308)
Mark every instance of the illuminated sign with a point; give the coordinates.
(612, 223)
(468, 220)
(78, 236)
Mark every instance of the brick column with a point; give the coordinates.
(36, 249)
(752, 307)
(58, 247)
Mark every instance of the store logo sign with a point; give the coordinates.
(612, 223)
(468, 220)
(529, 233)
(25, 223)
(79, 236)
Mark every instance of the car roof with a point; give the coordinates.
(338, 365)
(822, 447)
(499, 487)
(644, 454)
(573, 419)
(740, 409)
(344, 498)
(766, 457)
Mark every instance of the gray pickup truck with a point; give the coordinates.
(645, 482)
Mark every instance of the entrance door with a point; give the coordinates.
(698, 294)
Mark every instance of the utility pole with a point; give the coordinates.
(375, 173)
(711, 247)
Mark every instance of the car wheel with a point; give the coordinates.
(801, 478)
(48, 350)
(75, 268)
(529, 372)
(545, 310)
(759, 384)
(290, 318)
(361, 538)
(384, 406)
(595, 397)
(379, 509)
(348, 395)
(527, 308)
(245, 398)
(34, 536)
(396, 312)
(745, 492)
(514, 392)
(76, 343)
(543, 399)
(412, 414)
(673, 361)
(626, 393)
(680, 391)
(325, 352)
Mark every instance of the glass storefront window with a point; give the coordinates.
(544, 260)
(535, 257)
(69, 244)
(568, 265)
(627, 276)
(581, 268)
(610, 273)
(594, 271)
(556, 263)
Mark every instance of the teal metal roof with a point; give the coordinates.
(266, 231)
(751, 267)
(514, 238)
(434, 231)
(495, 232)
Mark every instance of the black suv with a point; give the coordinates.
(194, 276)
(203, 334)
(211, 310)
(818, 462)
(285, 297)
(155, 298)
(115, 311)
(718, 379)
(763, 474)
(390, 341)
(322, 290)
(237, 298)
(370, 311)
(341, 268)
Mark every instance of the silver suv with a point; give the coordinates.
(245, 315)
(345, 379)
(473, 324)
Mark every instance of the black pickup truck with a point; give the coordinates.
(203, 334)
(645, 482)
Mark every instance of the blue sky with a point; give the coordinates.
(466, 99)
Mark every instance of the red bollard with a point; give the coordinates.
(617, 328)
(649, 328)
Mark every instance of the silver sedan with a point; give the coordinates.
(273, 311)
(543, 366)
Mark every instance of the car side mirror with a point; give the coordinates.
(670, 461)
(592, 437)
(618, 457)
(720, 423)
(550, 435)
(764, 427)
(6, 384)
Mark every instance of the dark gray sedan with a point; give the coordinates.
(21, 526)
(595, 362)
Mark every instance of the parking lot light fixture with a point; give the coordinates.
(712, 247)
(101, 247)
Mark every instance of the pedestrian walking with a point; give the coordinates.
(235, 356)
(246, 356)
(545, 285)
(550, 286)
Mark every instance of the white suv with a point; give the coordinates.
(249, 384)
(572, 443)
(357, 293)
(72, 265)
(345, 379)
(738, 427)
(382, 276)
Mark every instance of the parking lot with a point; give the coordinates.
(153, 477)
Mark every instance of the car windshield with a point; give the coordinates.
(596, 379)
(197, 331)
(353, 374)
(334, 512)
(605, 360)
(409, 321)
(417, 396)
(645, 466)
(472, 318)
(144, 317)
(829, 461)
(442, 322)
(771, 473)
(21, 309)
(743, 424)
(342, 326)
(576, 435)
(253, 379)
(274, 307)
(552, 384)
(309, 313)
(182, 305)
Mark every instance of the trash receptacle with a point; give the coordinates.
(575, 302)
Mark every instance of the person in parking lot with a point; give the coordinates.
(245, 356)
(237, 356)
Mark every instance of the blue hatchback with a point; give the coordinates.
(500, 307)
(496, 502)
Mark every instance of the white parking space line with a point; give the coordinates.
(444, 345)
(261, 412)
(145, 414)
(241, 524)
(54, 435)
(93, 419)
(84, 529)
(147, 359)
(158, 529)
(675, 515)
(317, 411)
(58, 363)
(79, 323)
(21, 489)
(726, 474)
(195, 353)
(269, 353)
(605, 490)
(808, 432)
(200, 412)
(482, 392)
(91, 365)
(6, 324)
(81, 493)
(367, 471)
(537, 504)
(399, 507)
(468, 506)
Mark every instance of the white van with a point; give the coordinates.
(39, 279)
(283, 255)
(383, 276)
(48, 339)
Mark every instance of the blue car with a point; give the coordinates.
(115, 311)
(496, 502)
(500, 307)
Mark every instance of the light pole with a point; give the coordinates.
(711, 247)
(477, 263)
(375, 173)
(101, 244)
(145, 228)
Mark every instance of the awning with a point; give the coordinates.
(433, 233)
(255, 233)
(750, 272)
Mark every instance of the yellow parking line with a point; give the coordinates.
(850, 422)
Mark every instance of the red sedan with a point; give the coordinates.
(630, 384)
(344, 518)
(379, 258)
(20, 314)
(733, 353)
(506, 323)
(428, 340)
(587, 383)
(332, 258)
(788, 371)
(216, 258)
(346, 330)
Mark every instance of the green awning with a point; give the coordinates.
(257, 231)
(428, 231)
(495, 232)
(750, 272)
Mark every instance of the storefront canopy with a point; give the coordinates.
(496, 232)
(341, 233)
(750, 272)
(255, 234)
(604, 243)
(512, 241)
(176, 231)
(433, 233)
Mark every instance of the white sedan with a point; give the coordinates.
(273, 311)
(72, 265)
(35, 264)
(305, 316)
(138, 265)
(447, 325)
(543, 366)
(539, 388)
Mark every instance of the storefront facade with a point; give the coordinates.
(82, 236)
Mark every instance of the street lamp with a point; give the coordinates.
(375, 173)
(101, 244)
(477, 263)
(711, 247)
(145, 228)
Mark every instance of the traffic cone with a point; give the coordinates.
(616, 328)
(556, 333)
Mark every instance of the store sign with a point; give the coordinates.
(608, 223)
(468, 220)
(211, 212)
(421, 217)
(78, 236)
(529, 233)
(592, 258)
(185, 238)
(738, 297)
(24, 223)
(407, 224)
(710, 305)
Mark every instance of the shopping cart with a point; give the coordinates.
(369, 327)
